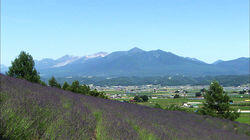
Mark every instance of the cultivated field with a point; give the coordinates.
(32, 111)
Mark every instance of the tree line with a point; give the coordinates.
(177, 80)
(77, 88)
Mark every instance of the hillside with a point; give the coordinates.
(137, 62)
(238, 65)
(32, 111)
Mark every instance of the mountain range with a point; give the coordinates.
(137, 62)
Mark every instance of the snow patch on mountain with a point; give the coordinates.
(66, 62)
(100, 54)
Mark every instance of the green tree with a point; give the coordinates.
(24, 67)
(217, 103)
(203, 90)
(43, 83)
(94, 93)
(65, 86)
(198, 94)
(144, 98)
(75, 87)
(85, 89)
(138, 99)
(102, 95)
(53, 82)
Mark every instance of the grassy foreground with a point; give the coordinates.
(32, 111)
(244, 118)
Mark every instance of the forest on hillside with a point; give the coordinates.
(224, 80)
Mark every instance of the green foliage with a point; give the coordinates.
(102, 95)
(143, 133)
(54, 83)
(157, 106)
(244, 91)
(217, 103)
(176, 96)
(75, 87)
(174, 107)
(24, 67)
(241, 104)
(43, 83)
(94, 93)
(203, 90)
(244, 118)
(138, 99)
(100, 129)
(225, 80)
(198, 94)
(65, 86)
(84, 89)
(241, 92)
(143, 98)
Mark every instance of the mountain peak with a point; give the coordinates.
(135, 50)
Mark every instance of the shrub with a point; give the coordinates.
(157, 106)
(138, 99)
(198, 94)
(177, 108)
(143, 98)
(176, 96)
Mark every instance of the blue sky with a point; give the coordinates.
(205, 29)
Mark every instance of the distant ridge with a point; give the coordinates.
(137, 62)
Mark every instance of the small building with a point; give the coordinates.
(171, 97)
(192, 104)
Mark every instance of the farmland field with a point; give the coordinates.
(166, 102)
(238, 100)
(244, 118)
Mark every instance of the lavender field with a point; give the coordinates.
(32, 111)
